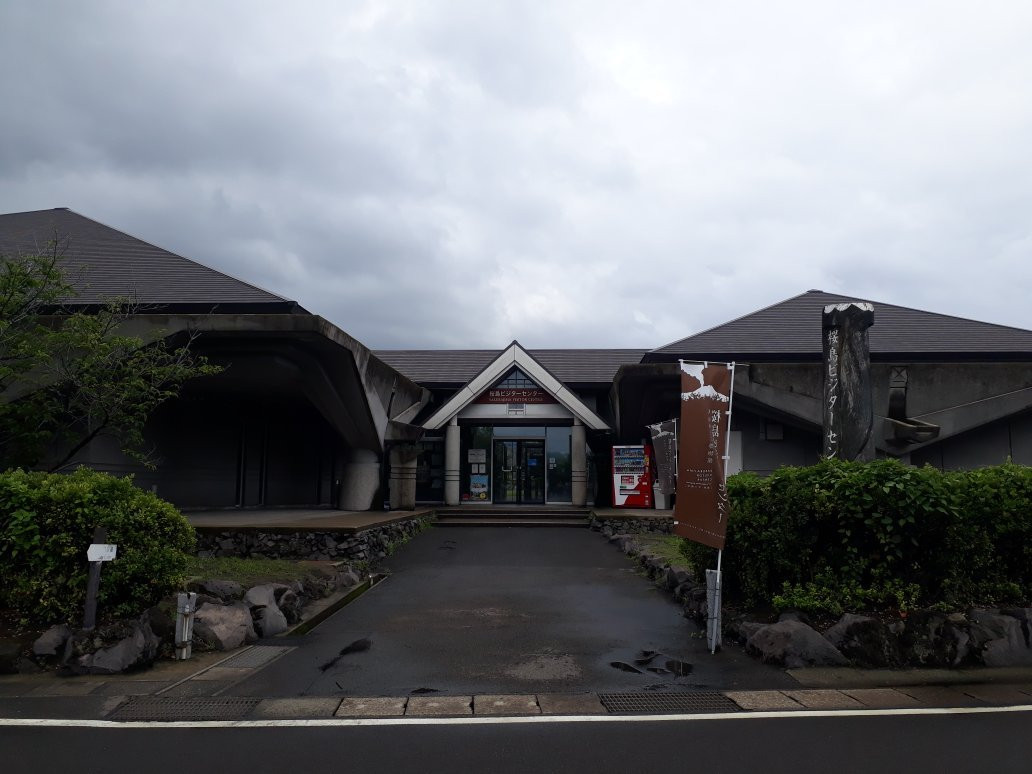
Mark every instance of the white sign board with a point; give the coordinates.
(101, 552)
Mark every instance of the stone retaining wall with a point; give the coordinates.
(366, 545)
(610, 527)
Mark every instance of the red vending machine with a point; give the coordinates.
(632, 477)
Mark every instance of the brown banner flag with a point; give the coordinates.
(702, 509)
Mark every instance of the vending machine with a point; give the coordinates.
(632, 477)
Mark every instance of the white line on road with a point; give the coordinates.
(474, 721)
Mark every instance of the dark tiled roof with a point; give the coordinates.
(793, 328)
(458, 366)
(103, 263)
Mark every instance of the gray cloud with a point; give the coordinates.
(568, 174)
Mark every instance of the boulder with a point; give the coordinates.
(931, 639)
(138, 649)
(10, 655)
(222, 590)
(675, 578)
(1007, 644)
(795, 615)
(743, 630)
(269, 620)
(349, 579)
(865, 641)
(52, 641)
(289, 603)
(224, 627)
(793, 644)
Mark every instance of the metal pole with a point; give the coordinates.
(718, 578)
(89, 618)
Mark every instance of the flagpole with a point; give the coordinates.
(715, 637)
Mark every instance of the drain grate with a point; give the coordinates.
(186, 708)
(255, 656)
(668, 702)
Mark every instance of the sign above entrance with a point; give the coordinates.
(515, 395)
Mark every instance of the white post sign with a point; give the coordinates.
(101, 552)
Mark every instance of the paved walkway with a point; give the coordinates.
(508, 611)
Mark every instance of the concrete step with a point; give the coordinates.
(507, 522)
(512, 513)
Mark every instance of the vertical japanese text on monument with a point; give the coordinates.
(832, 394)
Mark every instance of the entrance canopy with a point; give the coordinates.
(489, 394)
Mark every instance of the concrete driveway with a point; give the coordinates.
(507, 610)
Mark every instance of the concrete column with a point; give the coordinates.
(360, 480)
(451, 463)
(578, 464)
(403, 477)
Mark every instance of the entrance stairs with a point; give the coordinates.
(512, 516)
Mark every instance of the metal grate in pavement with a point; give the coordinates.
(668, 702)
(186, 708)
(255, 656)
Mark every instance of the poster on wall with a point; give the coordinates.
(478, 487)
(701, 510)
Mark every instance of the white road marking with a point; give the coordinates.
(488, 720)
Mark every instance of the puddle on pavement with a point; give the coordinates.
(671, 666)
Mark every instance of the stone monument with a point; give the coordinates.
(848, 406)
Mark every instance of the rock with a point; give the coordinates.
(865, 641)
(349, 579)
(1008, 645)
(793, 644)
(138, 649)
(52, 641)
(743, 630)
(222, 590)
(289, 603)
(10, 655)
(675, 578)
(162, 618)
(930, 639)
(795, 615)
(268, 618)
(224, 627)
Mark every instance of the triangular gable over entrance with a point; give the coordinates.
(498, 369)
(515, 387)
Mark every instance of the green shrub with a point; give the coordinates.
(877, 535)
(47, 522)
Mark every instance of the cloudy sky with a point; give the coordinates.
(608, 174)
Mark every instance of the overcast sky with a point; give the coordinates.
(588, 174)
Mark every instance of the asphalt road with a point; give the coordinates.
(506, 610)
(958, 744)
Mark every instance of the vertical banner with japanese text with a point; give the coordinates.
(701, 509)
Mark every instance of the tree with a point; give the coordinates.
(68, 378)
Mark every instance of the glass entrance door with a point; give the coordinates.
(519, 472)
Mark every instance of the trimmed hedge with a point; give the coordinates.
(866, 536)
(47, 522)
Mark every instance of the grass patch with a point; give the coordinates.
(247, 572)
(666, 547)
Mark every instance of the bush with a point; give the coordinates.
(868, 536)
(47, 522)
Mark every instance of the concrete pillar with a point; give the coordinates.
(403, 477)
(578, 464)
(451, 463)
(360, 480)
